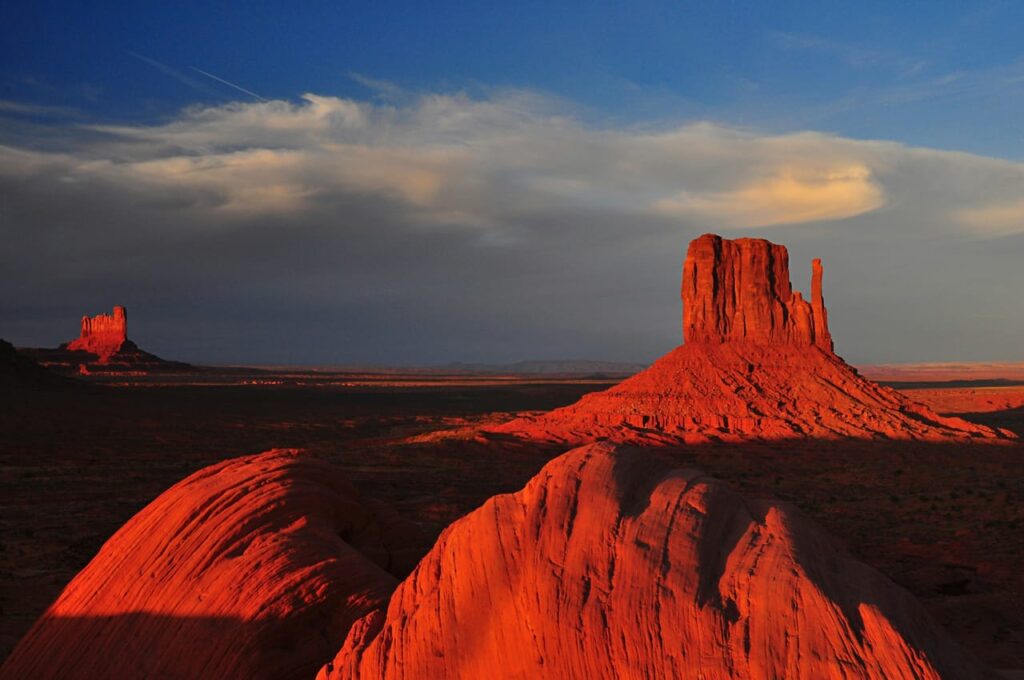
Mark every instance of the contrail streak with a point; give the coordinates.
(170, 72)
(229, 84)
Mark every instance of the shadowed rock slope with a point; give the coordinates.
(610, 564)
(252, 568)
(19, 372)
(757, 362)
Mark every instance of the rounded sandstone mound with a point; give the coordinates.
(252, 568)
(610, 564)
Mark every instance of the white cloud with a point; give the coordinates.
(487, 162)
(510, 211)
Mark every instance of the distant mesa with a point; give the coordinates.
(612, 564)
(757, 362)
(251, 568)
(103, 335)
(103, 347)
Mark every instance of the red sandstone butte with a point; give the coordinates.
(611, 564)
(252, 568)
(757, 362)
(103, 334)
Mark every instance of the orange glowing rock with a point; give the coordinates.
(757, 362)
(740, 291)
(102, 335)
(251, 568)
(611, 564)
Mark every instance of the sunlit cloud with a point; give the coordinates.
(789, 195)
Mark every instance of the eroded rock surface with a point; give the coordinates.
(611, 564)
(251, 568)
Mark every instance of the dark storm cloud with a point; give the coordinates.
(449, 228)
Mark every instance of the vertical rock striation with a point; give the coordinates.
(739, 291)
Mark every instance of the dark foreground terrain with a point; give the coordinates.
(943, 520)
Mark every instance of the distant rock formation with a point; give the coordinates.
(252, 568)
(610, 564)
(103, 348)
(103, 334)
(757, 362)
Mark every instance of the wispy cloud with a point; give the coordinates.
(852, 54)
(25, 108)
(382, 88)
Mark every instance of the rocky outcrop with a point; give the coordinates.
(252, 568)
(611, 564)
(757, 362)
(104, 348)
(103, 334)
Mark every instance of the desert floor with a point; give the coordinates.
(944, 521)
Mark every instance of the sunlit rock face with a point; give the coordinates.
(252, 568)
(103, 334)
(757, 362)
(611, 564)
(739, 291)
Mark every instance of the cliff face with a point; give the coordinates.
(739, 291)
(103, 334)
(610, 564)
(252, 568)
(757, 362)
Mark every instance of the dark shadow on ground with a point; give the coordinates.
(141, 646)
(945, 521)
(1011, 419)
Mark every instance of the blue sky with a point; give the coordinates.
(429, 182)
(945, 74)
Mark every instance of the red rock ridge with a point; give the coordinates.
(102, 334)
(251, 568)
(610, 564)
